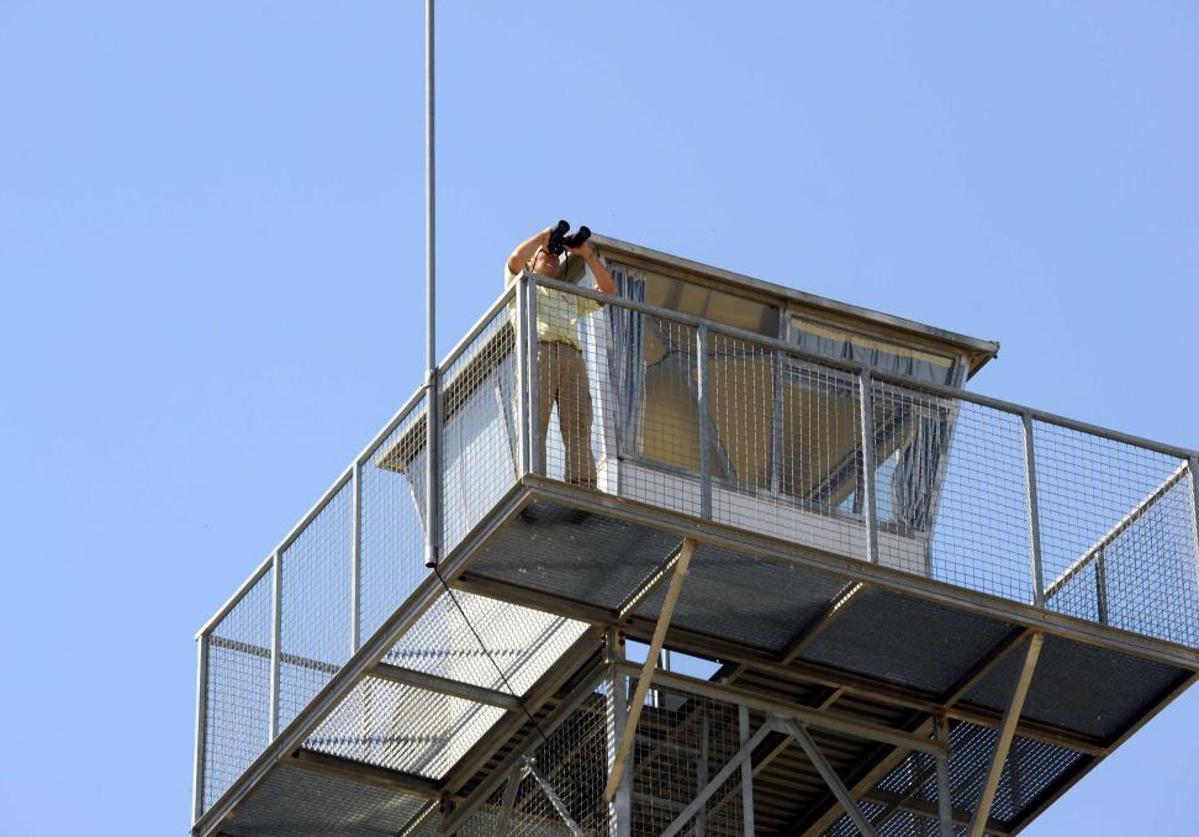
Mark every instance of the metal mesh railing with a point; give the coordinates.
(237, 685)
(353, 560)
(702, 419)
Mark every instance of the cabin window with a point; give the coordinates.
(876, 352)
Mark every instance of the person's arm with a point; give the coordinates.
(603, 279)
(525, 250)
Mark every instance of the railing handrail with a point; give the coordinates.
(507, 296)
(857, 367)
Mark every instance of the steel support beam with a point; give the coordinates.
(616, 709)
(366, 774)
(944, 787)
(800, 733)
(838, 606)
(1007, 732)
(747, 775)
(820, 719)
(651, 658)
(740, 757)
(445, 686)
(510, 788)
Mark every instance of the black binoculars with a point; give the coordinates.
(560, 240)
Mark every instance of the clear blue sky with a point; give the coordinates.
(211, 262)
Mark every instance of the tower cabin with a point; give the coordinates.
(715, 557)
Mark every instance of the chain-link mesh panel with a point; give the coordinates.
(403, 728)
(315, 605)
(479, 438)
(1117, 534)
(522, 642)
(239, 675)
(785, 446)
(392, 522)
(952, 496)
(682, 742)
(563, 777)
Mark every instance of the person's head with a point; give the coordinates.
(546, 263)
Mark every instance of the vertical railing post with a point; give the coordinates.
(1101, 587)
(276, 643)
(356, 558)
(201, 726)
(705, 433)
(701, 772)
(1034, 512)
(521, 399)
(1193, 464)
(866, 399)
(536, 443)
(776, 423)
(747, 774)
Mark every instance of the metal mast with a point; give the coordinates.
(432, 387)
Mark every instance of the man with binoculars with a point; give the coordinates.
(562, 377)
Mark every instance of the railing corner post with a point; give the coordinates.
(201, 725)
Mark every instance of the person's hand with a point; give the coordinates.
(584, 251)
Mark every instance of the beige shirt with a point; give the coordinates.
(558, 312)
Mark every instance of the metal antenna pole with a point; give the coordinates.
(432, 388)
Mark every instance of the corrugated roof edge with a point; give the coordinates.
(979, 351)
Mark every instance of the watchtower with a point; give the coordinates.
(893, 606)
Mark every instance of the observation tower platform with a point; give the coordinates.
(890, 606)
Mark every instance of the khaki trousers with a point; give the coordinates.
(562, 379)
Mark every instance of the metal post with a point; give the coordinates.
(866, 386)
(201, 726)
(701, 771)
(1193, 464)
(1101, 587)
(644, 680)
(620, 810)
(356, 558)
(276, 643)
(776, 423)
(522, 373)
(747, 774)
(432, 389)
(510, 788)
(1034, 513)
(1007, 731)
(536, 443)
(714, 784)
(944, 788)
(705, 433)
